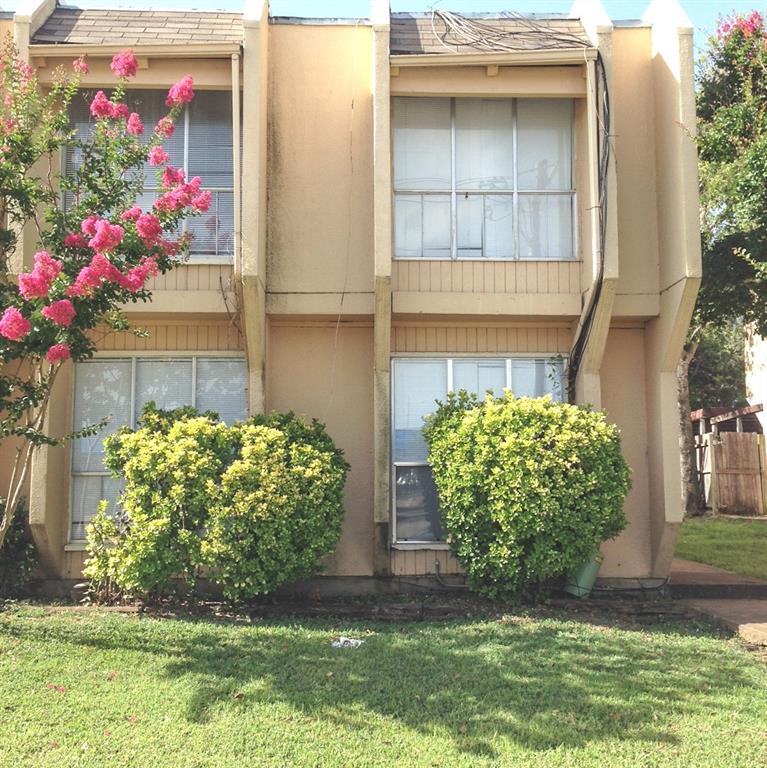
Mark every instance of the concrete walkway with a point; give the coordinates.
(739, 602)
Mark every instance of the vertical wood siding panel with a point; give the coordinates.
(492, 339)
(434, 270)
(481, 339)
(554, 269)
(424, 284)
(445, 275)
(479, 277)
(441, 341)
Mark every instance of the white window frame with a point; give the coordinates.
(514, 193)
(133, 356)
(508, 360)
(150, 186)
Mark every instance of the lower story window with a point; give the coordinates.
(417, 384)
(119, 388)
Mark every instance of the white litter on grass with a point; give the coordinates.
(346, 642)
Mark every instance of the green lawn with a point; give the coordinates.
(735, 545)
(88, 688)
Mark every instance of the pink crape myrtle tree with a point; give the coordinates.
(96, 248)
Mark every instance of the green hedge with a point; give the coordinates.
(255, 505)
(528, 488)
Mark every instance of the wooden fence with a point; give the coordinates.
(733, 470)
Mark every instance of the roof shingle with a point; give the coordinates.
(430, 34)
(92, 26)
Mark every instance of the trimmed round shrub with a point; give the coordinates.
(528, 488)
(278, 509)
(254, 505)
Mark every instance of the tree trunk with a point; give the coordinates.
(693, 492)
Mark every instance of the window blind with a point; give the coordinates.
(201, 144)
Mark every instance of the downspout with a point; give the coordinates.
(237, 174)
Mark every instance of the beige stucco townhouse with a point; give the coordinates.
(419, 203)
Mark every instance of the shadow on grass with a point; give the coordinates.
(541, 684)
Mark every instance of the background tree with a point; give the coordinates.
(732, 142)
(97, 248)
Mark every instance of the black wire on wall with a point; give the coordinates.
(526, 34)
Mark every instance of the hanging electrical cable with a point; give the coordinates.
(523, 33)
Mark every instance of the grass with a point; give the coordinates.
(735, 545)
(82, 687)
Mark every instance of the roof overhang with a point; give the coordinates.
(153, 50)
(553, 57)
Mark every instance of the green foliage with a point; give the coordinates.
(18, 556)
(528, 488)
(256, 504)
(277, 512)
(717, 373)
(732, 141)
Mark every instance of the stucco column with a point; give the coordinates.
(250, 260)
(680, 266)
(379, 14)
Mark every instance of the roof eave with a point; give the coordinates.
(153, 50)
(559, 56)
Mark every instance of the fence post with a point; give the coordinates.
(763, 472)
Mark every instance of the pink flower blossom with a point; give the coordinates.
(37, 283)
(32, 285)
(171, 201)
(88, 225)
(60, 312)
(13, 325)
(26, 70)
(47, 266)
(135, 278)
(135, 126)
(201, 202)
(80, 65)
(149, 229)
(75, 240)
(104, 269)
(120, 111)
(172, 176)
(107, 236)
(164, 127)
(170, 247)
(57, 353)
(181, 92)
(101, 106)
(124, 64)
(84, 283)
(158, 156)
(131, 214)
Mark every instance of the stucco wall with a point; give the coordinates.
(633, 116)
(325, 372)
(623, 399)
(320, 187)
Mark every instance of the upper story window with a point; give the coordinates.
(483, 178)
(201, 145)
